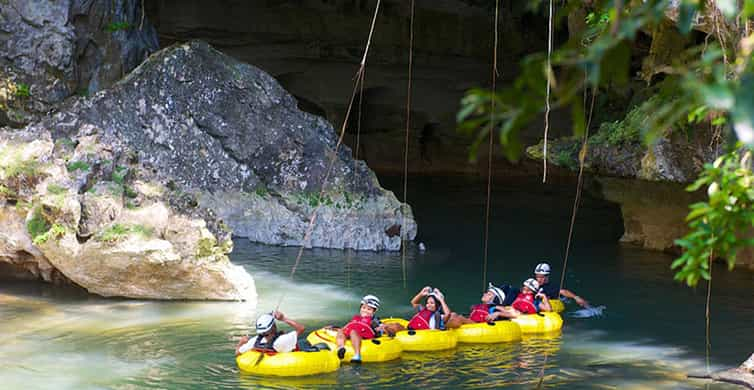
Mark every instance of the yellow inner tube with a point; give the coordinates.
(423, 339)
(489, 332)
(380, 349)
(557, 305)
(288, 363)
(539, 323)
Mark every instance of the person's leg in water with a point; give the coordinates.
(455, 320)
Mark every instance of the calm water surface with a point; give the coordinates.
(650, 335)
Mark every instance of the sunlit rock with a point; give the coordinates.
(72, 212)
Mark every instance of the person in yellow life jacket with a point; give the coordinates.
(542, 275)
(492, 301)
(528, 301)
(268, 339)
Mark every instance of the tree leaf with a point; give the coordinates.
(718, 96)
(743, 112)
(686, 15)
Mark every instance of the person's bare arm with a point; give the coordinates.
(244, 340)
(545, 305)
(417, 298)
(568, 294)
(445, 309)
(295, 325)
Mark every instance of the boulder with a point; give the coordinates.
(50, 50)
(226, 136)
(91, 233)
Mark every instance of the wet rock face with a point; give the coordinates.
(80, 211)
(50, 50)
(230, 135)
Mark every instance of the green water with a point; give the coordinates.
(650, 335)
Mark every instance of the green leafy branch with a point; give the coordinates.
(722, 225)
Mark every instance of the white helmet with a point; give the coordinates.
(542, 269)
(532, 285)
(499, 294)
(265, 322)
(371, 301)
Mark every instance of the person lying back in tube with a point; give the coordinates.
(542, 275)
(529, 301)
(492, 301)
(268, 339)
(363, 326)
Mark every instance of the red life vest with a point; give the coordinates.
(479, 312)
(362, 326)
(525, 304)
(421, 320)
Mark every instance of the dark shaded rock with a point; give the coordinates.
(53, 49)
(230, 133)
(313, 47)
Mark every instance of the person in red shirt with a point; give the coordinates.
(364, 325)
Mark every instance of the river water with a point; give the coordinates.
(649, 336)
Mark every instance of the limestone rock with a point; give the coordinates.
(225, 135)
(654, 213)
(94, 235)
(50, 50)
(99, 208)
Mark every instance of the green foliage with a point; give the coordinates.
(57, 231)
(117, 231)
(722, 225)
(23, 90)
(37, 225)
(313, 199)
(629, 129)
(262, 191)
(711, 82)
(55, 189)
(26, 168)
(117, 26)
(22, 207)
(566, 157)
(205, 247)
(67, 142)
(119, 174)
(130, 192)
(597, 18)
(116, 189)
(6, 192)
(78, 166)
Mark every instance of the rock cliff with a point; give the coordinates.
(233, 139)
